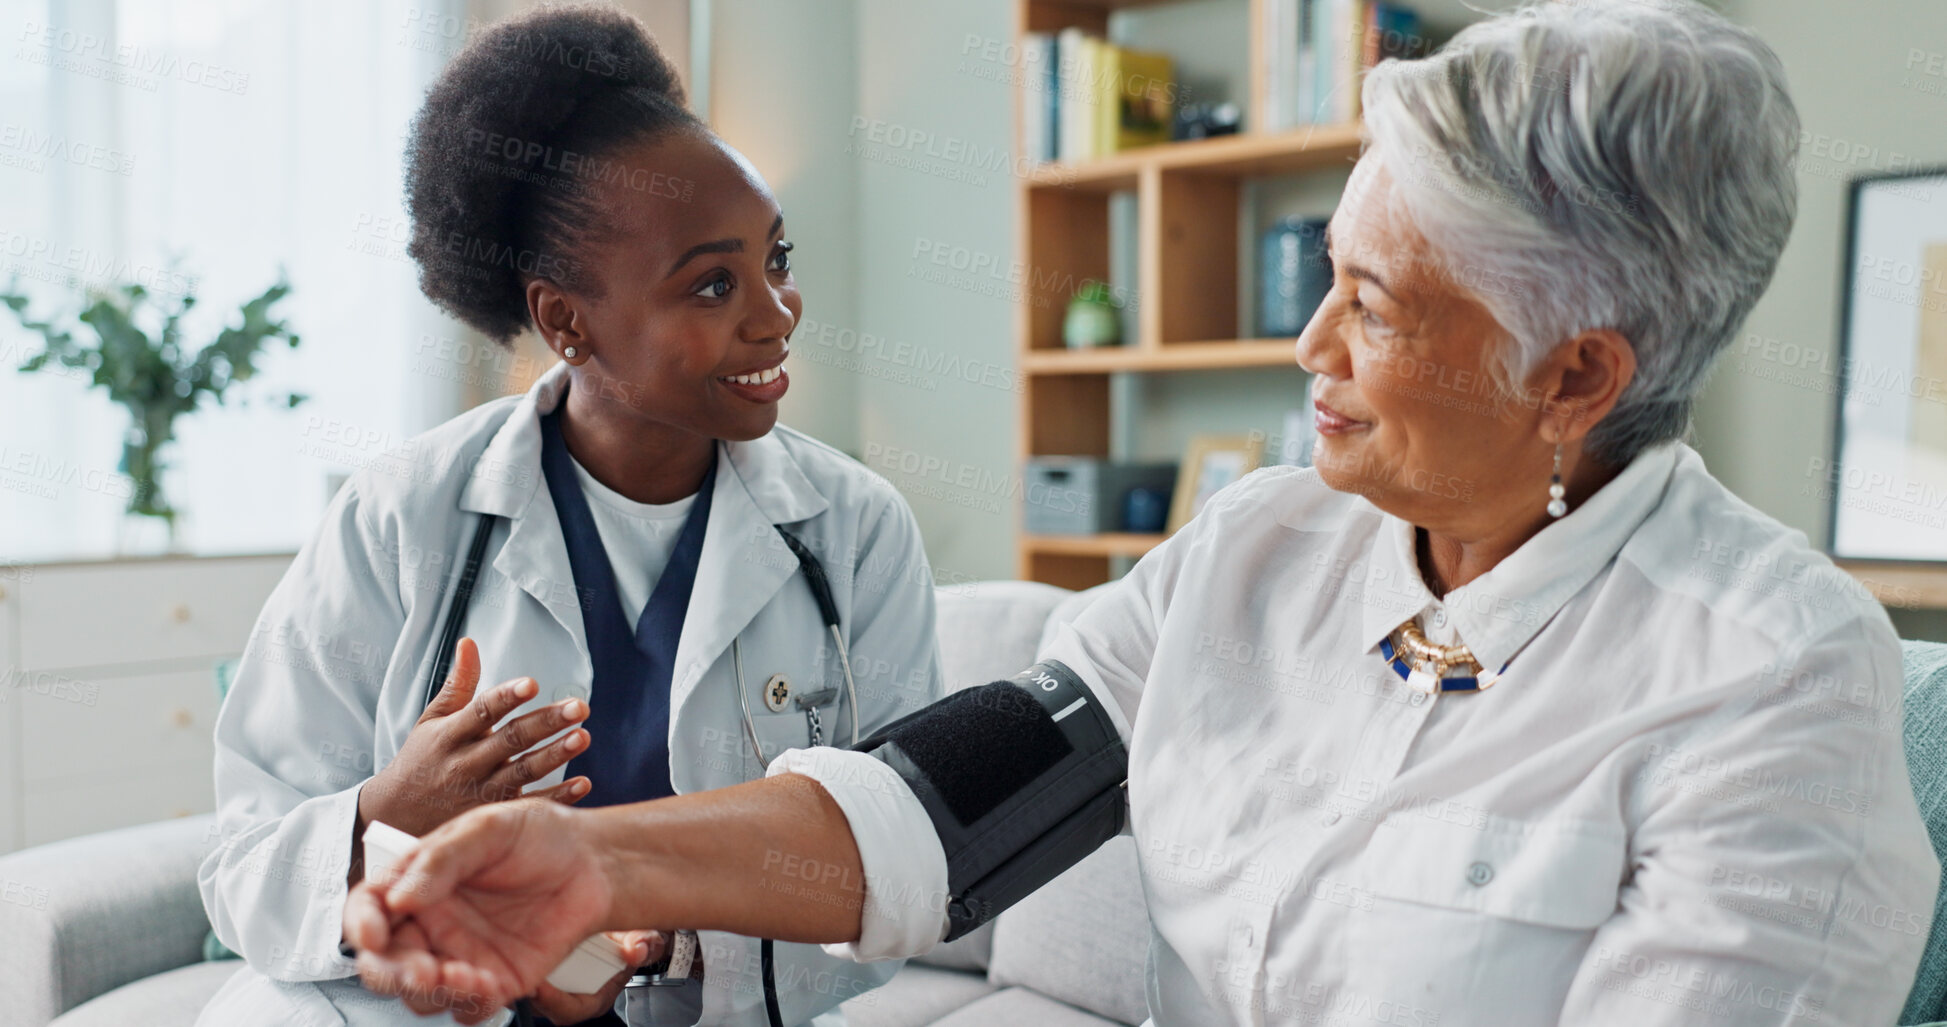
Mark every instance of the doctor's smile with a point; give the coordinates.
(766, 384)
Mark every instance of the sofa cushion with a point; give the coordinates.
(990, 630)
(1019, 1007)
(172, 998)
(916, 995)
(1926, 761)
(1083, 938)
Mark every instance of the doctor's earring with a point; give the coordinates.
(569, 353)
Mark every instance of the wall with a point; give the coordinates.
(933, 145)
(1763, 422)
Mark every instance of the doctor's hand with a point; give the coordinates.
(639, 947)
(454, 759)
(482, 910)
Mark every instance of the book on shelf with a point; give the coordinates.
(1086, 97)
(1317, 51)
(1074, 100)
(1136, 108)
(1038, 85)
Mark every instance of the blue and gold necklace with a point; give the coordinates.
(1424, 665)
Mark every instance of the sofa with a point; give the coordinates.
(109, 931)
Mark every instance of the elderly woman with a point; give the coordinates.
(1506, 713)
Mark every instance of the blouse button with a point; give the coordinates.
(1418, 698)
(1329, 817)
(1479, 874)
(1439, 618)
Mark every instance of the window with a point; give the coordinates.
(209, 144)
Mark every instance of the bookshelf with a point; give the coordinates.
(1187, 197)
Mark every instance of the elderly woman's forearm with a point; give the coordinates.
(773, 858)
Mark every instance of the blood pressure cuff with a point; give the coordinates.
(1022, 778)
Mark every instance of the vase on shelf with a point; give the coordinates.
(1094, 318)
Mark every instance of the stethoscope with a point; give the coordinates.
(777, 690)
(777, 698)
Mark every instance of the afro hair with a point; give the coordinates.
(503, 156)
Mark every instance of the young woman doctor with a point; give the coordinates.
(636, 504)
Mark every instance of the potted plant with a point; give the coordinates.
(138, 356)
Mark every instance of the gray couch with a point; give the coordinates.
(107, 930)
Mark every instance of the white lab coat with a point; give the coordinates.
(334, 678)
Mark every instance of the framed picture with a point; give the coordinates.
(1887, 483)
(1212, 462)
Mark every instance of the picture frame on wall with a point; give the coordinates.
(1210, 463)
(1886, 485)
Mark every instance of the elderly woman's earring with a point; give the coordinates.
(569, 353)
(1557, 506)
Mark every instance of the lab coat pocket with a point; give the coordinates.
(1455, 911)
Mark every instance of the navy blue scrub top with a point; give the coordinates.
(628, 706)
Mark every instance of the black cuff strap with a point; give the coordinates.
(1021, 778)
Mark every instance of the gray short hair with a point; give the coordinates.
(1628, 163)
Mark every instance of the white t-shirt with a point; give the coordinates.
(638, 536)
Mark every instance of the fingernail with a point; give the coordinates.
(577, 740)
(526, 687)
(579, 788)
(574, 709)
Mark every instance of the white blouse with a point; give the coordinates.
(1685, 802)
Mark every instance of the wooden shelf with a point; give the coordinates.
(1246, 155)
(1915, 586)
(1105, 545)
(1216, 355)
